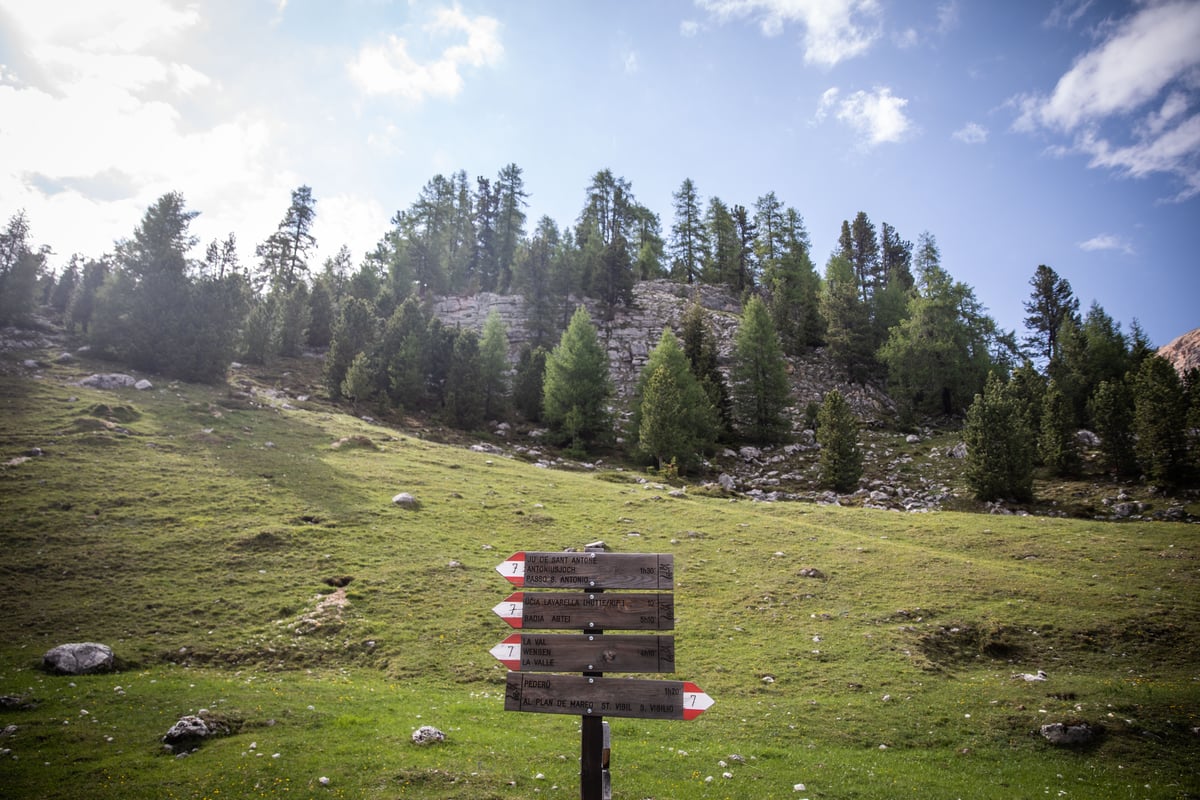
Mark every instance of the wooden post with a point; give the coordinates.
(591, 762)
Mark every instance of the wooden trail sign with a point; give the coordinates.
(608, 697)
(588, 611)
(590, 570)
(583, 652)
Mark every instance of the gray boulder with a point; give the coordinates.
(109, 380)
(79, 658)
(427, 734)
(1071, 735)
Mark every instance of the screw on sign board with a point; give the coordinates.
(536, 684)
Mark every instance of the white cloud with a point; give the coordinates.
(1066, 13)
(877, 116)
(947, 16)
(689, 28)
(834, 30)
(1127, 103)
(1107, 241)
(907, 38)
(389, 68)
(630, 62)
(971, 133)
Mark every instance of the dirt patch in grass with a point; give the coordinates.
(952, 645)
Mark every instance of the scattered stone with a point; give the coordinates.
(108, 380)
(912, 438)
(1069, 735)
(726, 481)
(427, 734)
(1040, 675)
(79, 658)
(405, 500)
(186, 734)
(959, 450)
(14, 702)
(143, 385)
(599, 544)
(812, 572)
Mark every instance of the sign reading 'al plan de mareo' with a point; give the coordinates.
(533, 657)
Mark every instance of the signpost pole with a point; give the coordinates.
(591, 745)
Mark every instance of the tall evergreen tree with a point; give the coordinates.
(527, 386)
(577, 387)
(284, 254)
(535, 277)
(291, 322)
(1160, 413)
(859, 245)
(403, 355)
(1049, 305)
(847, 324)
(1000, 447)
(20, 268)
(1056, 438)
(688, 245)
(700, 348)
(353, 333)
(724, 252)
(793, 288)
(464, 383)
(745, 274)
(320, 313)
(674, 420)
(840, 461)
(1111, 412)
(510, 221)
(493, 367)
(760, 388)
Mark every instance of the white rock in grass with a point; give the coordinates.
(427, 734)
(404, 500)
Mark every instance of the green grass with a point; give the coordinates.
(196, 531)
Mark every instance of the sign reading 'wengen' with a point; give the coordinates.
(537, 659)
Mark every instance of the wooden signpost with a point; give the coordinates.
(536, 659)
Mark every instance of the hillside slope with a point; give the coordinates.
(1183, 351)
(238, 546)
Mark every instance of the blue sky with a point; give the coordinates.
(1017, 133)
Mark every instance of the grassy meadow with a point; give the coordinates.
(202, 532)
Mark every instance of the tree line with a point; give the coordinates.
(885, 310)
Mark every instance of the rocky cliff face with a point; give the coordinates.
(1183, 351)
(634, 331)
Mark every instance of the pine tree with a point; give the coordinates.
(284, 254)
(1000, 449)
(1050, 304)
(464, 383)
(1160, 413)
(20, 268)
(353, 333)
(1056, 438)
(359, 384)
(848, 330)
(760, 385)
(1111, 412)
(673, 420)
(576, 389)
(837, 433)
(320, 313)
(700, 348)
(793, 288)
(493, 364)
(403, 356)
(291, 323)
(527, 387)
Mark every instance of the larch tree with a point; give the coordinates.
(1000, 446)
(847, 320)
(688, 243)
(493, 364)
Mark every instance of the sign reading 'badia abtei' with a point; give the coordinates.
(590, 570)
(629, 611)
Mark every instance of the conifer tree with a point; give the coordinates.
(1160, 413)
(291, 323)
(837, 433)
(700, 348)
(1000, 449)
(464, 383)
(1050, 304)
(1111, 412)
(353, 333)
(20, 268)
(359, 384)
(527, 387)
(320, 313)
(403, 355)
(688, 245)
(848, 329)
(673, 420)
(760, 385)
(493, 365)
(577, 387)
(1056, 438)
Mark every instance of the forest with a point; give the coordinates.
(883, 308)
